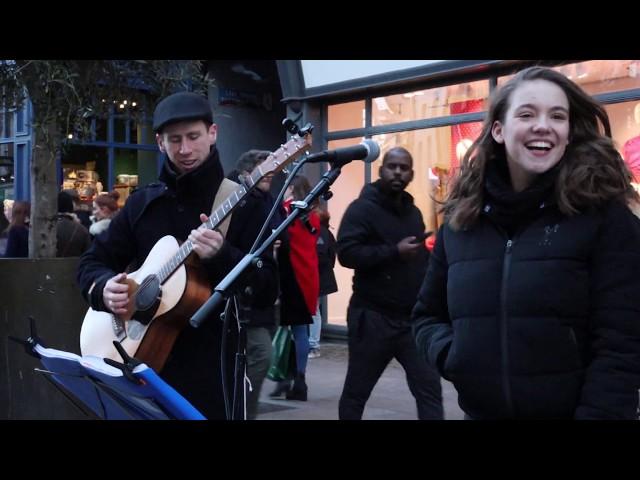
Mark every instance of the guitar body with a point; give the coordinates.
(149, 341)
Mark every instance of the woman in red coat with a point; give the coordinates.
(299, 284)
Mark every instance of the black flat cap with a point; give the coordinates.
(181, 106)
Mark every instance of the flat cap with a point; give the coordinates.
(179, 107)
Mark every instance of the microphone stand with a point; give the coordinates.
(223, 288)
(227, 286)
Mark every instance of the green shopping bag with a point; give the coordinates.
(282, 355)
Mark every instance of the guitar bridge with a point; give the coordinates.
(118, 328)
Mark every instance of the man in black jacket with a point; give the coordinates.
(260, 321)
(381, 238)
(190, 178)
(73, 239)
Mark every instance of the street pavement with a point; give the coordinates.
(390, 399)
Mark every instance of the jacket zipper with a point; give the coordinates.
(506, 385)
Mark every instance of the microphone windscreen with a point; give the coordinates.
(373, 148)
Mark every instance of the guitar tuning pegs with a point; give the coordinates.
(290, 126)
(308, 128)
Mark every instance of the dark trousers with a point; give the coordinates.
(258, 359)
(374, 340)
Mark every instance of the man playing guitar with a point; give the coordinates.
(176, 206)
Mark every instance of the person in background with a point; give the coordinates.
(71, 236)
(260, 320)
(326, 247)
(380, 237)
(18, 233)
(299, 285)
(81, 210)
(530, 306)
(4, 230)
(105, 207)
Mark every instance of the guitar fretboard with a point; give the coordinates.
(269, 165)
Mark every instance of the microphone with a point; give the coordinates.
(367, 151)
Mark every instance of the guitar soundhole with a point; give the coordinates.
(148, 299)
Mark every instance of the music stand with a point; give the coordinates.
(110, 391)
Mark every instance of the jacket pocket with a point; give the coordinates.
(446, 358)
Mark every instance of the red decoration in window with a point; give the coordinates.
(631, 154)
(464, 134)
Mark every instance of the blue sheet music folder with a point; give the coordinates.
(110, 393)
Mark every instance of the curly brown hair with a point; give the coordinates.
(591, 170)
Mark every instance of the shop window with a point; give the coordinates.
(6, 165)
(345, 190)
(126, 169)
(430, 103)
(6, 127)
(436, 153)
(119, 130)
(101, 130)
(6, 151)
(625, 130)
(20, 121)
(346, 116)
(85, 169)
(133, 134)
(600, 76)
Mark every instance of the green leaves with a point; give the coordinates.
(72, 92)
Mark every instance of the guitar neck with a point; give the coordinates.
(216, 218)
(275, 162)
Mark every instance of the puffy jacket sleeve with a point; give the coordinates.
(612, 379)
(354, 247)
(430, 320)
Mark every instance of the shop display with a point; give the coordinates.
(125, 184)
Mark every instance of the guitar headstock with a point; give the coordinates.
(283, 156)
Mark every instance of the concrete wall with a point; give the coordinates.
(47, 291)
(245, 124)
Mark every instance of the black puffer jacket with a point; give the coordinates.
(367, 242)
(172, 207)
(545, 324)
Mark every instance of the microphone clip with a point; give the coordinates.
(304, 218)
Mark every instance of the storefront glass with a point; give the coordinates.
(345, 189)
(430, 103)
(600, 76)
(625, 130)
(345, 116)
(6, 171)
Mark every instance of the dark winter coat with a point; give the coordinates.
(172, 207)
(17, 242)
(262, 316)
(367, 242)
(326, 248)
(540, 323)
(73, 239)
